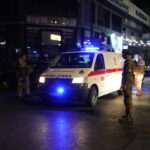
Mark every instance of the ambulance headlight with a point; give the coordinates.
(78, 80)
(42, 80)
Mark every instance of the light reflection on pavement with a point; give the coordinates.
(26, 127)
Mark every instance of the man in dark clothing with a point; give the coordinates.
(127, 83)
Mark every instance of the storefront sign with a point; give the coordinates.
(119, 4)
(141, 15)
(52, 21)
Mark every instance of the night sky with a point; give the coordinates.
(143, 4)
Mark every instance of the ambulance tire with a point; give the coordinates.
(93, 97)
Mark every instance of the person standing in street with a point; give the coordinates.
(139, 74)
(127, 84)
(23, 73)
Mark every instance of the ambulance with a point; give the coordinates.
(82, 76)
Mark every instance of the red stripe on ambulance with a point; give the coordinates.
(93, 73)
(100, 72)
(120, 69)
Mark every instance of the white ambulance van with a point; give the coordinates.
(82, 75)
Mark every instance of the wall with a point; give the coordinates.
(137, 13)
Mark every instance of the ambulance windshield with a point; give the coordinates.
(74, 60)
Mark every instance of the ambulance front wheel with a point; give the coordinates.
(93, 97)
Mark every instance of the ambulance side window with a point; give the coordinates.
(99, 64)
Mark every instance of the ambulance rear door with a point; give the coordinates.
(113, 71)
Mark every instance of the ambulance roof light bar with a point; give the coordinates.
(87, 46)
(92, 48)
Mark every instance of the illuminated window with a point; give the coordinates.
(55, 37)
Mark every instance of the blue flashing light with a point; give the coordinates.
(34, 52)
(60, 90)
(92, 48)
(88, 46)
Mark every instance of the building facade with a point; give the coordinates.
(44, 28)
(39, 28)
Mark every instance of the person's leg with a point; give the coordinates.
(20, 87)
(136, 79)
(139, 83)
(27, 86)
(128, 106)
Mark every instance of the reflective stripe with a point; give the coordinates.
(105, 71)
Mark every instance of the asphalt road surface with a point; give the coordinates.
(75, 127)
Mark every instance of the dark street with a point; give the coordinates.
(74, 50)
(56, 127)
